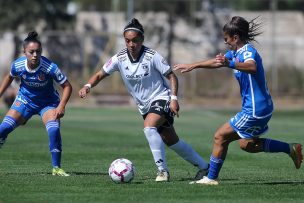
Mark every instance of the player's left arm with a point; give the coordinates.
(174, 106)
(247, 65)
(66, 94)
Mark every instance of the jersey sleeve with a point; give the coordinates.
(249, 54)
(57, 75)
(229, 55)
(161, 64)
(111, 65)
(13, 71)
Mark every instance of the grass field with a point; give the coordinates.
(93, 138)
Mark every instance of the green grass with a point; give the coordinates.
(93, 138)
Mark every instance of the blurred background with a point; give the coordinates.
(81, 35)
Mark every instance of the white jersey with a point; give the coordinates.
(144, 78)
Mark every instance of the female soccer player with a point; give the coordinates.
(257, 106)
(144, 73)
(37, 95)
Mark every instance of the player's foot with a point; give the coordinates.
(162, 176)
(2, 141)
(59, 172)
(201, 173)
(205, 181)
(296, 154)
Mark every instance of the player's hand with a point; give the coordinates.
(221, 60)
(83, 92)
(183, 68)
(59, 112)
(174, 106)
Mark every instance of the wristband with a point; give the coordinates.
(232, 64)
(88, 86)
(173, 97)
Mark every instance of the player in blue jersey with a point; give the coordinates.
(145, 73)
(37, 95)
(247, 125)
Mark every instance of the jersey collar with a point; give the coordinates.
(32, 70)
(139, 55)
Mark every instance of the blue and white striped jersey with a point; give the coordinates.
(37, 85)
(256, 100)
(144, 78)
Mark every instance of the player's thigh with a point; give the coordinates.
(17, 116)
(154, 120)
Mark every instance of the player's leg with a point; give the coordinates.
(255, 145)
(151, 122)
(52, 126)
(222, 138)
(184, 150)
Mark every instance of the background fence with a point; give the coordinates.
(182, 31)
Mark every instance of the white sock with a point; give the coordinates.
(157, 147)
(187, 152)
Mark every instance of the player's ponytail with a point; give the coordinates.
(31, 37)
(247, 31)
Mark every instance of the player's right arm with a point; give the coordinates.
(8, 79)
(93, 81)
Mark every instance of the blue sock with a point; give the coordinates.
(276, 146)
(7, 126)
(54, 142)
(215, 167)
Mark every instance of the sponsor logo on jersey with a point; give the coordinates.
(109, 63)
(35, 84)
(164, 61)
(59, 75)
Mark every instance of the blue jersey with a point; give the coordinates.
(256, 100)
(37, 85)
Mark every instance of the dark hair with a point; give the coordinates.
(31, 37)
(134, 25)
(244, 29)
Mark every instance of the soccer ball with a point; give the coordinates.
(122, 171)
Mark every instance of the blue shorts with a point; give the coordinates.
(28, 109)
(247, 126)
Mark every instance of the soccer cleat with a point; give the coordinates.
(296, 154)
(205, 181)
(59, 172)
(201, 173)
(162, 176)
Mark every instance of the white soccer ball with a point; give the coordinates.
(122, 171)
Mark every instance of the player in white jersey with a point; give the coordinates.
(247, 125)
(145, 74)
(37, 95)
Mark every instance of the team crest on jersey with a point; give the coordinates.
(17, 103)
(144, 66)
(41, 77)
(24, 76)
